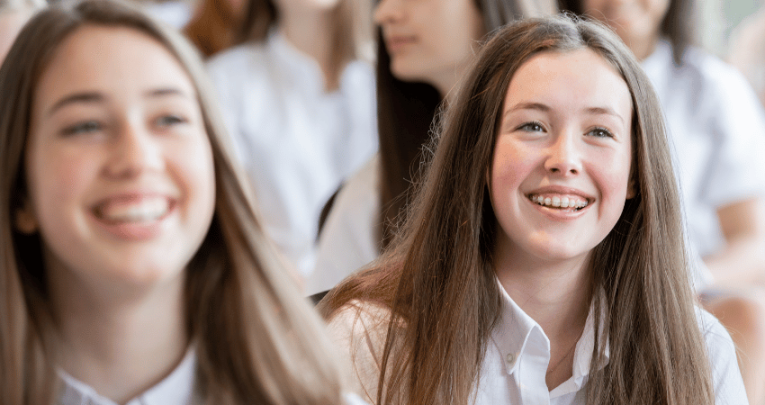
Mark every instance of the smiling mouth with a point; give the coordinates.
(557, 202)
(134, 210)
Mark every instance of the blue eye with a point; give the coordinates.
(600, 133)
(169, 120)
(85, 127)
(532, 127)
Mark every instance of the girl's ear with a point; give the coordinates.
(24, 219)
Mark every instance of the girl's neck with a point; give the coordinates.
(119, 345)
(311, 30)
(643, 47)
(557, 295)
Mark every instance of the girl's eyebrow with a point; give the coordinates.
(84, 97)
(605, 111)
(96, 97)
(527, 106)
(166, 91)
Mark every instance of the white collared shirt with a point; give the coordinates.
(514, 367)
(297, 141)
(176, 389)
(350, 238)
(717, 127)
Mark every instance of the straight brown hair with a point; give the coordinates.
(405, 113)
(256, 340)
(438, 279)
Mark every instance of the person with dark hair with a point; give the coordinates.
(134, 268)
(543, 258)
(717, 126)
(424, 49)
(215, 25)
(298, 99)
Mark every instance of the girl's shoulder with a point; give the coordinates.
(358, 331)
(726, 376)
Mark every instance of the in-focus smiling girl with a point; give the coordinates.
(496, 293)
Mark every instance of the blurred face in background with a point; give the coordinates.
(637, 22)
(430, 41)
(119, 166)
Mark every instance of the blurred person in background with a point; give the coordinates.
(424, 48)
(298, 99)
(718, 129)
(215, 25)
(747, 51)
(13, 15)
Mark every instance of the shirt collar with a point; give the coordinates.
(517, 334)
(304, 69)
(176, 388)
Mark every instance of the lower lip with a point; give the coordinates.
(134, 231)
(559, 214)
(398, 45)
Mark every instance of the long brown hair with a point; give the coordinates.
(438, 279)
(215, 26)
(256, 339)
(405, 112)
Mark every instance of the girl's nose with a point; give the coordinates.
(136, 150)
(387, 11)
(563, 157)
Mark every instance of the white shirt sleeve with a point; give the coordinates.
(726, 376)
(358, 331)
(349, 238)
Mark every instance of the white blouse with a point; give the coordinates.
(717, 126)
(513, 370)
(175, 389)
(349, 239)
(297, 141)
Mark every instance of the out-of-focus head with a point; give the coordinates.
(13, 15)
(429, 40)
(640, 21)
(89, 109)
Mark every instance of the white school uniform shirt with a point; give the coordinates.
(175, 389)
(297, 142)
(349, 239)
(717, 127)
(518, 352)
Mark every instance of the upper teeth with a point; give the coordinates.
(562, 202)
(144, 209)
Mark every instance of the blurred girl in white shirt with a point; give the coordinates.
(542, 261)
(134, 267)
(298, 99)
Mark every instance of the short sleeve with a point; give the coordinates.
(726, 376)
(738, 123)
(348, 240)
(358, 331)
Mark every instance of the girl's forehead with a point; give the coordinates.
(113, 61)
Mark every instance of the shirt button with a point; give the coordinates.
(510, 358)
